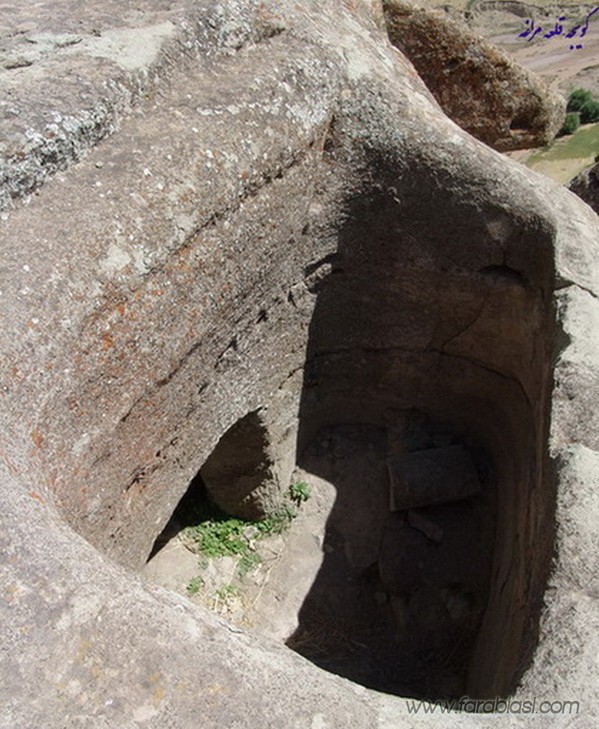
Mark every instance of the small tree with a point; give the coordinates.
(577, 98)
(571, 123)
(589, 112)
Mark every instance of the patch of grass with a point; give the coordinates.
(589, 112)
(277, 523)
(226, 592)
(216, 534)
(219, 537)
(583, 143)
(578, 98)
(570, 125)
(299, 492)
(211, 533)
(194, 586)
(248, 562)
(225, 536)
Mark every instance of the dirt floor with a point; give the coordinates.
(268, 598)
(355, 588)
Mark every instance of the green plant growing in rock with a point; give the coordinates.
(226, 592)
(194, 586)
(218, 537)
(299, 492)
(278, 522)
(583, 103)
(213, 533)
(248, 562)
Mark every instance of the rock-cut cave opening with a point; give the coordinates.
(396, 599)
(420, 426)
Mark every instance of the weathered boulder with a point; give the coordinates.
(477, 85)
(282, 222)
(586, 186)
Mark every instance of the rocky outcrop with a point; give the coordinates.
(284, 224)
(476, 84)
(586, 186)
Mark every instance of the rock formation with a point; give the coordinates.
(255, 213)
(476, 84)
(586, 186)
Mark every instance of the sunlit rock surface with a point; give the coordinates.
(268, 214)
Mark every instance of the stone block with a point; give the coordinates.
(433, 476)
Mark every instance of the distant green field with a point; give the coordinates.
(566, 157)
(583, 143)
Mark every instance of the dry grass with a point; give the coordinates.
(333, 638)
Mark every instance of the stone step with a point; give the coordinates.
(432, 476)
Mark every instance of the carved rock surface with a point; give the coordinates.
(432, 476)
(477, 85)
(278, 219)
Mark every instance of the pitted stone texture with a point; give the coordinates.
(248, 472)
(223, 211)
(575, 417)
(476, 84)
(70, 78)
(571, 600)
(86, 645)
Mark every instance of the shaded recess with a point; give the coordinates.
(237, 479)
(429, 344)
(238, 472)
(401, 594)
(195, 506)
